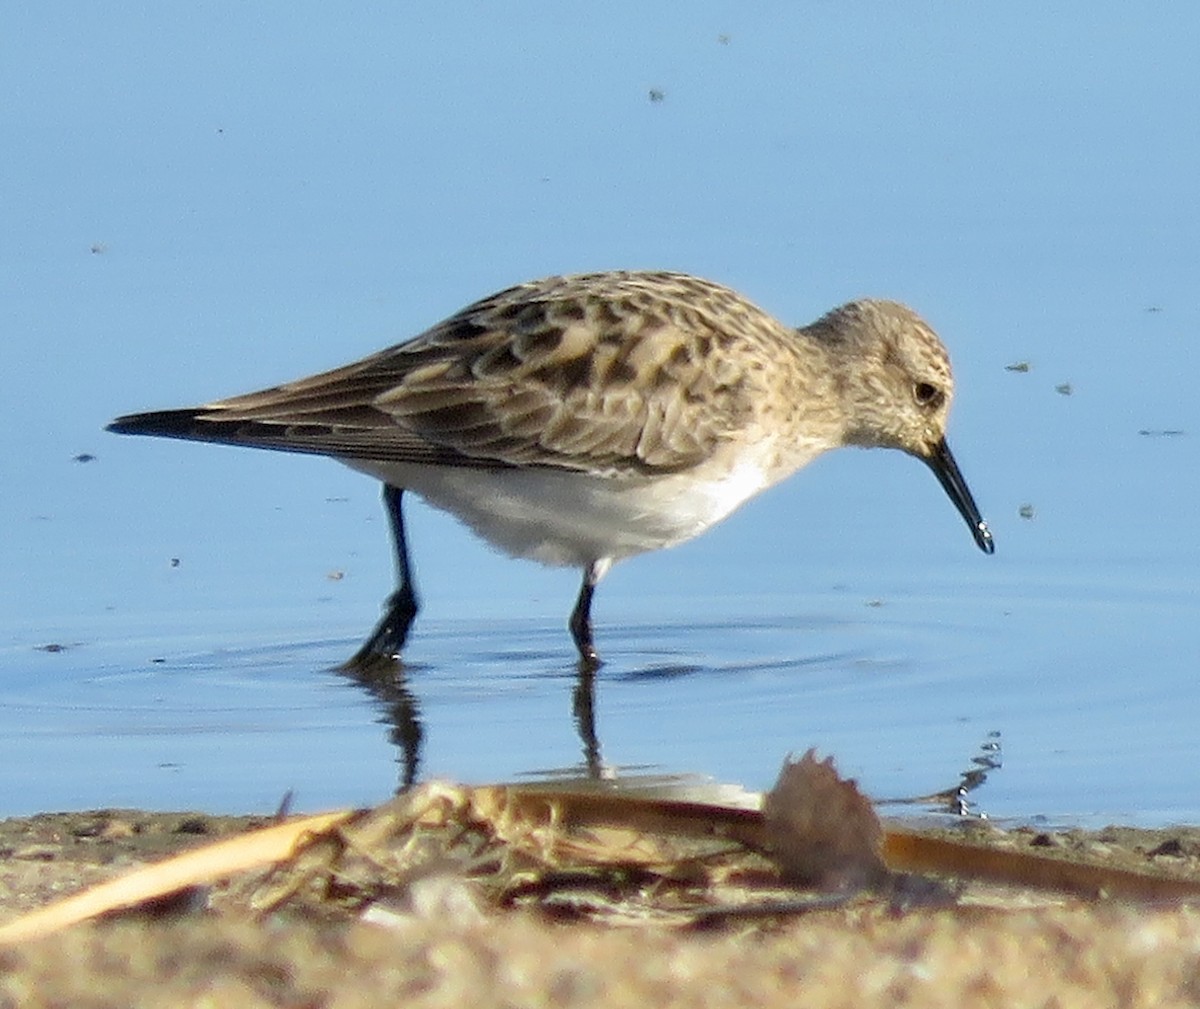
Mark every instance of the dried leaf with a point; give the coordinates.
(821, 828)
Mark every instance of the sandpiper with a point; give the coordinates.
(581, 420)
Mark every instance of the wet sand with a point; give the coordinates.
(1028, 948)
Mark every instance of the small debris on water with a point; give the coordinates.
(84, 457)
(1064, 389)
(1026, 511)
(1021, 366)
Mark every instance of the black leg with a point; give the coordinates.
(387, 640)
(581, 617)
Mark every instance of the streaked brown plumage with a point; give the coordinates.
(580, 420)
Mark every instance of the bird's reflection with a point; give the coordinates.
(583, 707)
(384, 679)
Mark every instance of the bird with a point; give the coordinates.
(581, 420)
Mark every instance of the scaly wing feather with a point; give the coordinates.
(612, 372)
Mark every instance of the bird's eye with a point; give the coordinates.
(928, 395)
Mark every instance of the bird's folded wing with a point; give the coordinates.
(517, 383)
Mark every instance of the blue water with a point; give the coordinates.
(207, 200)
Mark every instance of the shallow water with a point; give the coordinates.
(194, 220)
(904, 689)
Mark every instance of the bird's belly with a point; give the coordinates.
(569, 518)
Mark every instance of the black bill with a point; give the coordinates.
(946, 470)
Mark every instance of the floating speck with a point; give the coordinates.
(723, 39)
(336, 576)
(84, 457)
(1026, 511)
(174, 562)
(53, 648)
(1161, 432)
(1064, 389)
(657, 94)
(1021, 366)
(97, 248)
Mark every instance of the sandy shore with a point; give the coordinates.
(1024, 949)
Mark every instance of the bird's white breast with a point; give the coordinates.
(571, 518)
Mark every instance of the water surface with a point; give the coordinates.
(203, 200)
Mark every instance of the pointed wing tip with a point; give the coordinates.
(163, 423)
